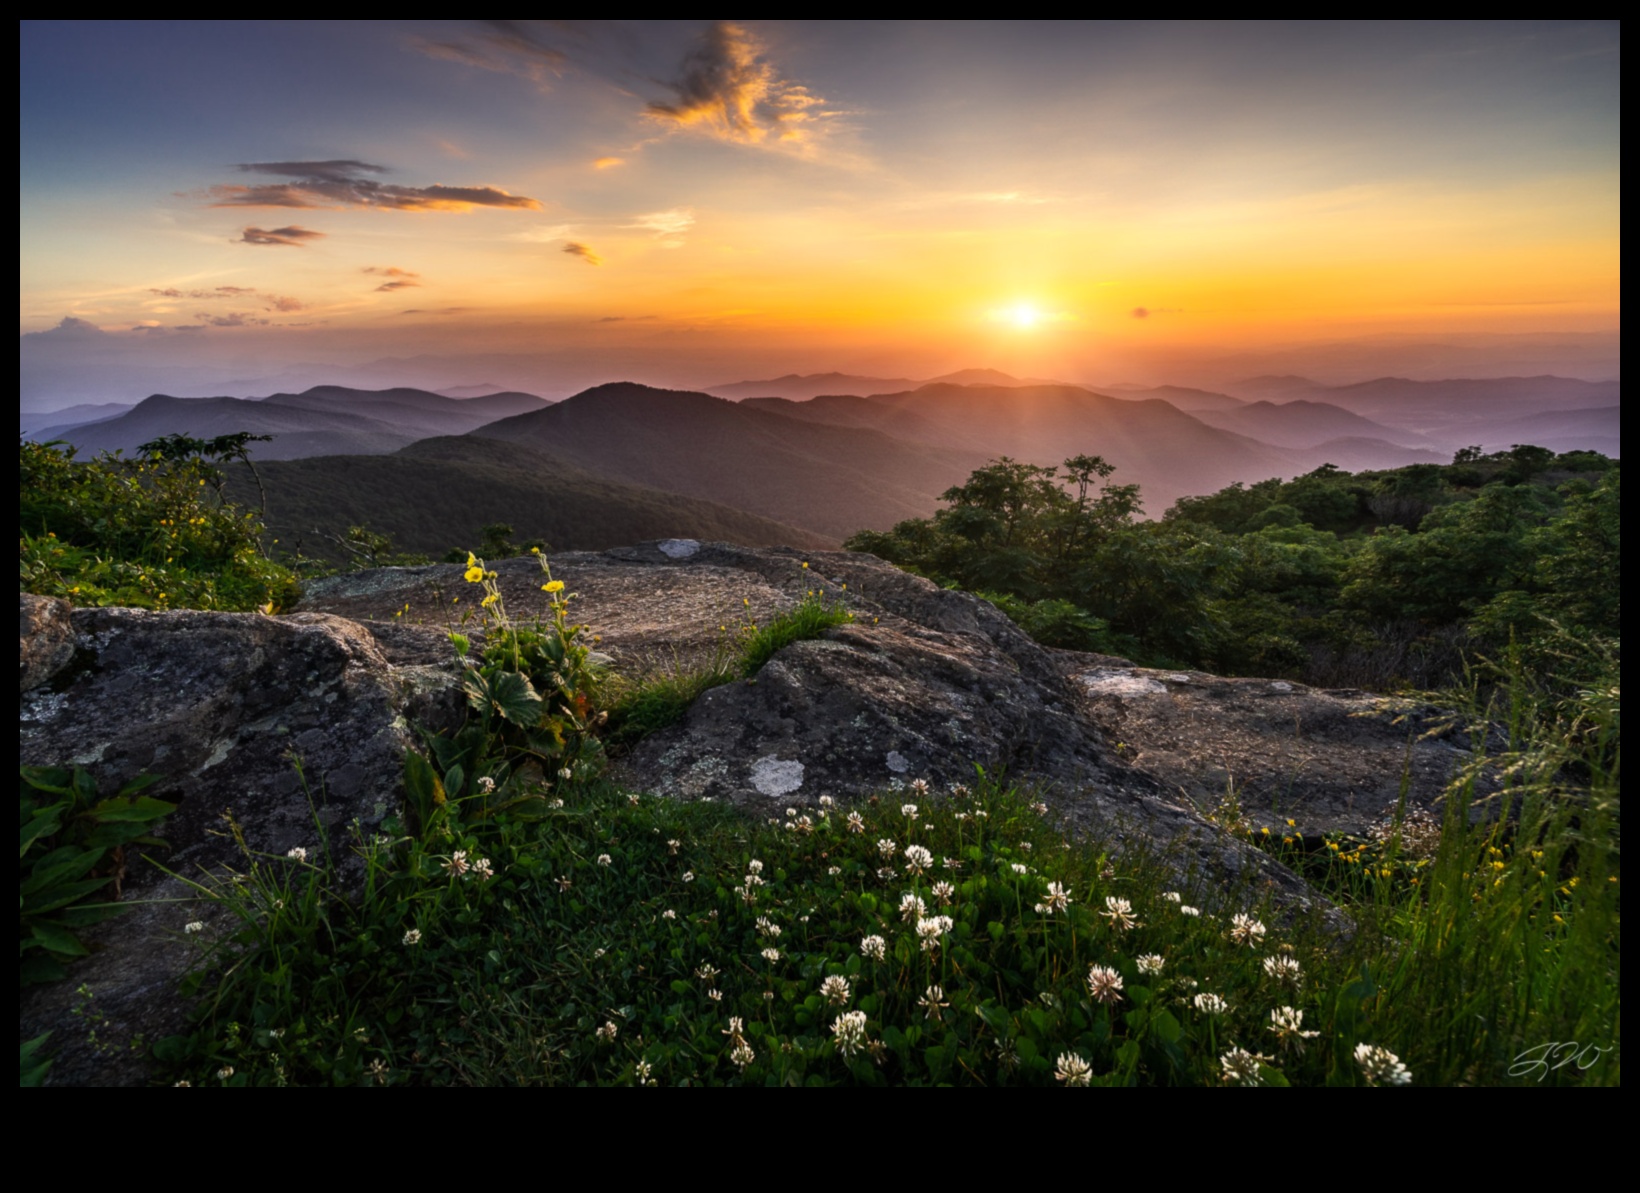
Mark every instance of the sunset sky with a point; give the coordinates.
(1027, 194)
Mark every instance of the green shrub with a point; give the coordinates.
(145, 534)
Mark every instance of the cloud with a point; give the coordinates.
(232, 319)
(669, 226)
(284, 304)
(343, 184)
(444, 311)
(505, 47)
(69, 329)
(198, 295)
(1147, 312)
(398, 279)
(575, 249)
(728, 90)
(625, 319)
(608, 163)
(292, 237)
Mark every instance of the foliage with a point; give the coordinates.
(70, 860)
(150, 534)
(31, 1066)
(810, 619)
(1371, 580)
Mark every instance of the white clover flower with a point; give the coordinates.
(933, 1002)
(887, 875)
(754, 867)
(951, 864)
(856, 823)
(715, 995)
(1120, 914)
(909, 811)
(556, 805)
(836, 991)
(912, 908)
(886, 849)
(1242, 1067)
(482, 870)
(944, 892)
(827, 802)
(487, 785)
(1194, 913)
(918, 860)
(412, 938)
(669, 914)
(1040, 809)
(706, 973)
(297, 855)
(1380, 1066)
(1104, 984)
(767, 927)
(771, 955)
(225, 1073)
(919, 788)
(672, 848)
(1244, 929)
(1286, 970)
(1152, 965)
(607, 1033)
(194, 928)
(1211, 1004)
(1019, 869)
(688, 877)
(1287, 1025)
(736, 1027)
(1073, 1071)
(931, 931)
(850, 1030)
(1058, 899)
(605, 860)
(1173, 897)
(874, 948)
(643, 1072)
(833, 871)
(457, 865)
(742, 1056)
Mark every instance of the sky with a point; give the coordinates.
(705, 200)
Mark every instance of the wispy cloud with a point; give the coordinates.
(284, 304)
(608, 163)
(668, 226)
(442, 311)
(348, 184)
(726, 88)
(505, 47)
(292, 237)
(232, 319)
(397, 279)
(576, 249)
(223, 292)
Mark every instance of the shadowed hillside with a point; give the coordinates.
(435, 496)
(831, 480)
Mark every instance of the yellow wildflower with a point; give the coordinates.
(553, 586)
(475, 575)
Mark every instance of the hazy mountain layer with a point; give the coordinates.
(434, 497)
(829, 479)
(1305, 424)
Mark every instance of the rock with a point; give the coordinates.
(1334, 762)
(45, 640)
(222, 706)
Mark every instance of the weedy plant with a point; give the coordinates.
(70, 861)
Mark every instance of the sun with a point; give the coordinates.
(1024, 316)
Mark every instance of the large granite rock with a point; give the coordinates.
(235, 711)
(45, 640)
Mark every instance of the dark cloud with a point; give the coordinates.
(582, 251)
(285, 304)
(727, 89)
(389, 287)
(332, 171)
(233, 319)
(69, 329)
(292, 237)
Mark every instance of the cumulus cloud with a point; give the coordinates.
(292, 237)
(70, 328)
(726, 88)
(576, 249)
(348, 184)
(285, 304)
